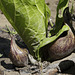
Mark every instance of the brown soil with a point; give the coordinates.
(67, 64)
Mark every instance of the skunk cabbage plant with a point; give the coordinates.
(30, 19)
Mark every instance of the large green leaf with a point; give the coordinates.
(30, 20)
(59, 16)
(27, 17)
(59, 27)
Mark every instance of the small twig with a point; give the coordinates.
(40, 67)
(9, 31)
(32, 60)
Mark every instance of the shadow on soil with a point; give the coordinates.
(7, 66)
(67, 67)
(4, 46)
